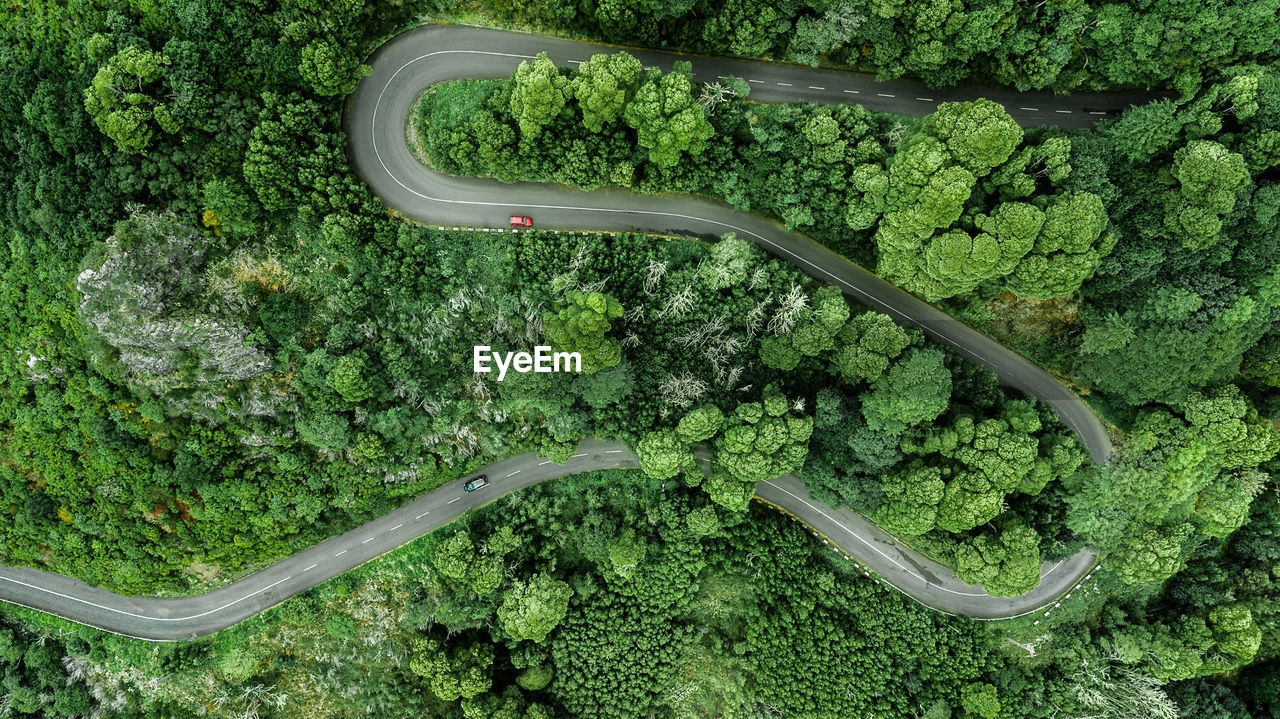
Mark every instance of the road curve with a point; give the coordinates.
(375, 123)
(411, 62)
(187, 618)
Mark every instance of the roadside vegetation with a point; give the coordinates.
(220, 347)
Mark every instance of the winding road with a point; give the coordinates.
(375, 124)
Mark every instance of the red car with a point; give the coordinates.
(521, 221)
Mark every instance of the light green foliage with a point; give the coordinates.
(1231, 429)
(1071, 243)
(538, 94)
(536, 678)
(331, 68)
(914, 390)
(866, 345)
(980, 699)
(625, 554)
(1152, 556)
(463, 671)
(1006, 563)
(912, 496)
(349, 378)
(603, 86)
(729, 262)
(123, 98)
(666, 119)
(532, 609)
(663, 454)
(580, 323)
(1237, 636)
(756, 445)
(978, 134)
(700, 424)
(1209, 176)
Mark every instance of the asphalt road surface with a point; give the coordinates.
(375, 124)
(190, 617)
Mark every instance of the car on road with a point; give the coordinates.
(477, 483)
(521, 221)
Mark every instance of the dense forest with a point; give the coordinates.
(220, 348)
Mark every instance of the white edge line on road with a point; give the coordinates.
(143, 616)
(869, 544)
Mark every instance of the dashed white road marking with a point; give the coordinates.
(420, 516)
(514, 473)
(885, 94)
(578, 455)
(308, 569)
(815, 87)
(1095, 112)
(339, 554)
(1030, 109)
(784, 84)
(370, 539)
(1063, 112)
(395, 527)
(925, 99)
(576, 62)
(613, 451)
(542, 463)
(760, 82)
(453, 500)
(853, 92)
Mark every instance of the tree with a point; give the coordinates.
(603, 87)
(580, 323)
(1152, 556)
(667, 120)
(330, 68)
(700, 424)
(1006, 563)
(1209, 175)
(914, 390)
(531, 610)
(664, 455)
(980, 699)
(866, 345)
(463, 671)
(911, 502)
(761, 441)
(349, 378)
(538, 93)
(1071, 243)
(122, 99)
